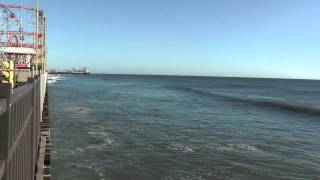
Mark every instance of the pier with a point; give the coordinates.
(24, 117)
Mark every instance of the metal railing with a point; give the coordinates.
(19, 130)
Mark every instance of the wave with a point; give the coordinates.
(264, 102)
(241, 147)
(180, 148)
(54, 78)
(238, 147)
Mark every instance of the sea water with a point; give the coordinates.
(176, 127)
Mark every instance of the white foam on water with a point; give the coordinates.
(52, 81)
(104, 137)
(183, 177)
(80, 150)
(260, 97)
(246, 147)
(77, 109)
(99, 134)
(87, 166)
(108, 142)
(235, 147)
(180, 148)
(55, 78)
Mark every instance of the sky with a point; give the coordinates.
(243, 38)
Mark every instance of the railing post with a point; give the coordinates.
(4, 139)
(5, 93)
(34, 125)
(4, 131)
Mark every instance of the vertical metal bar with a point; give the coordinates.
(4, 137)
(36, 33)
(7, 21)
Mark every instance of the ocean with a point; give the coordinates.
(122, 127)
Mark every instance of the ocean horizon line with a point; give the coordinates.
(178, 75)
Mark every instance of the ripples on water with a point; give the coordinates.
(166, 127)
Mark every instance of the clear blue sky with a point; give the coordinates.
(256, 38)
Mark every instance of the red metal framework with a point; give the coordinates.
(23, 26)
(17, 26)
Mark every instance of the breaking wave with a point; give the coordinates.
(54, 78)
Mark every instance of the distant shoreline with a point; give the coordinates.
(235, 77)
(83, 73)
(173, 75)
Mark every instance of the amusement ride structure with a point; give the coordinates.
(23, 52)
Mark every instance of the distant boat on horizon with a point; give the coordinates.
(83, 71)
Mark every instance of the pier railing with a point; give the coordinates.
(19, 130)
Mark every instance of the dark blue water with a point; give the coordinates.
(167, 127)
